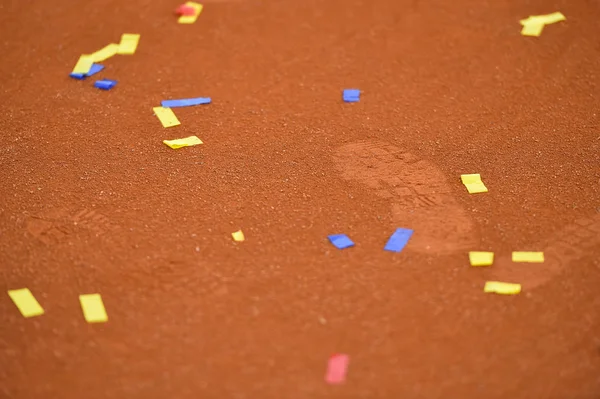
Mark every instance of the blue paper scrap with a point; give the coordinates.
(340, 241)
(185, 102)
(351, 95)
(398, 240)
(93, 70)
(105, 84)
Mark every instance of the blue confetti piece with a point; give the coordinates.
(93, 70)
(185, 102)
(398, 240)
(105, 84)
(340, 241)
(351, 95)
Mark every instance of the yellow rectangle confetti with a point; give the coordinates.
(545, 19)
(473, 183)
(129, 43)
(83, 65)
(502, 288)
(238, 236)
(530, 257)
(190, 19)
(93, 308)
(532, 29)
(481, 258)
(186, 142)
(26, 302)
(104, 53)
(166, 116)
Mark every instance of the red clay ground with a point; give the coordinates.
(92, 201)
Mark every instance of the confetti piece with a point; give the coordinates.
(93, 308)
(129, 43)
(105, 52)
(166, 116)
(105, 84)
(398, 240)
(351, 95)
(83, 66)
(545, 19)
(238, 236)
(502, 288)
(337, 368)
(530, 257)
(190, 19)
(26, 302)
(185, 102)
(481, 258)
(532, 29)
(185, 10)
(93, 70)
(341, 241)
(473, 183)
(186, 142)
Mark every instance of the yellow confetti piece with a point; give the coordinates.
(104, 53)
(129, 43)
(481, 258)
(530, 257)
(473, 183)
(502, 288)
(93, 308)
(532, 29)
(166, 116)
(238, 236)
(545, 19)
(190, 19)
(26, 302)
(186, 142)
(83, 65)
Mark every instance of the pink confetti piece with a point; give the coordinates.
(185, 10)
(336, 369)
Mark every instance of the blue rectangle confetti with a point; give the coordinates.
(341, 241)
(398, 240)
(105, 84)
(185, 102)
(351, 95)
(93, 70)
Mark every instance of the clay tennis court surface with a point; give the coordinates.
(92, 201)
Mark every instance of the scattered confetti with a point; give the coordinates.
(105, 52)
(186, 142)
(530, 257)
(105, 84)
(341, 241)
(185, 102)
(129, 43)
(533, 25)
(166, 116)
(238, 236)
(481, 258)
(337, 368)
(26, 302)
(190, 19)
(351, 95)
(185, 10)
(473, 183)
(93, 70)
(93, 308)
(502, 288)
(398, 240)
(83, 66)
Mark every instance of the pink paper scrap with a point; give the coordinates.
(336, 369)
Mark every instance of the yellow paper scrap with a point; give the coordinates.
(502, 288)
(93, 308)
(481, 258)
(83, 64)
(238, 236)
(532, 29)
(473, 183)
(190, 19)
(186, 142)
(104, 53)
(129, 43)
(531, 257)
(166, 116)
(26, 302)
(545, 19)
